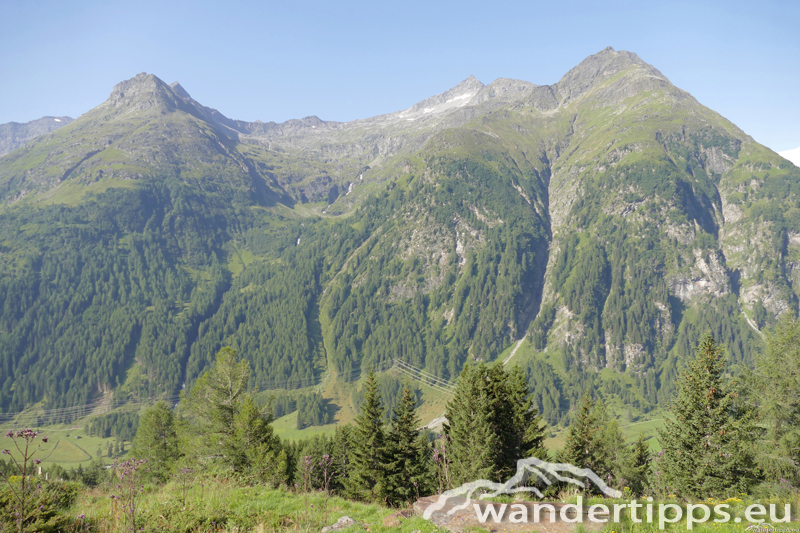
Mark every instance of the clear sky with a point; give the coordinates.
(344, 60)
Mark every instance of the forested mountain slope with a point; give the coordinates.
(610, 217)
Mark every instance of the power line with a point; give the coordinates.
(101, 405)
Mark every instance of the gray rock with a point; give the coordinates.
(343, 523)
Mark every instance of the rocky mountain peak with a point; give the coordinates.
(180, 91)
(471, 84)
(141, 92)
(458, 96)
(597, 68)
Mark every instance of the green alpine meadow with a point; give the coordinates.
(277, 324)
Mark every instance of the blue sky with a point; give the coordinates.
(346, 60)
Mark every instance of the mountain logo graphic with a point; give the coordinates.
(527, 469)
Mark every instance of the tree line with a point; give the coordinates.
(723, 435)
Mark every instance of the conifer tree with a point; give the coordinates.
(474, 446)
(216, 396)
(775, 390)
(368, 444)
(636, 468)
(582, 446)
(342, 452)
(212, 405)
(492, 424)
(610, 445)
(529, 427)
(708, 442)
(254, 449)
(157, 441)
(407, 463)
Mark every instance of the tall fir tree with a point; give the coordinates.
(775, 390)
(610, 445)
(407, 468)
(492, 424)
(254, 450)
(582, 447)
(342, 444)
(529, 430)
(368, 444)
(709, 440)
(636, 466)
(473, 444)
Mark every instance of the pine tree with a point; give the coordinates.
(157, 441)
(254, 449)
(492, 424)
(368, 444)
(407, 463)
(582, 446)
(708, 442)
(775, 389)
(636, 467)
(529, 427)
(212, 405)
(342, 453)
(473, 450)
(610, 445)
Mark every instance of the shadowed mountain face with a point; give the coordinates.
(13, 134)
(608, 219)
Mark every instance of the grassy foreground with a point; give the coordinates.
(222, 506)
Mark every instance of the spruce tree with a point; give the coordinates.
(407, 463)
(473, 449)
(368, 444)
(610, 445)
(636, 467)
(775, 390)
(582, 447)
(708, 441)
(254, 450)
(528, 425)
(212, 405)
(342, 454)
(157, 441)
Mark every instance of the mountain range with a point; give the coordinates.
(13, 134)
(590, 230)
